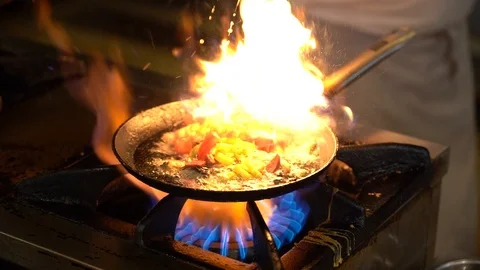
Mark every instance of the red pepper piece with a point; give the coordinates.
(264, 144)
(183, 147)
(274, 164)
(196, 163)
(206, 146)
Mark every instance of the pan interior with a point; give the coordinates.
(134, 141)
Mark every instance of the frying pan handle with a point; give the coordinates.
(379, 51)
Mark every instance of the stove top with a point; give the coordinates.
(78, 213)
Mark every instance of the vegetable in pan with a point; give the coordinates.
(239, 151)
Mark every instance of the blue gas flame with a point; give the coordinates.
(289, 216)
(288, 219)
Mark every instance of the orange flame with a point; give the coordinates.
(55, 31)
(231, 216)
(266, 75)
(103, 90)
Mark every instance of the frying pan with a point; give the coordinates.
(134, 139)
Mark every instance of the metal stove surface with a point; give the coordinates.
(69, 224)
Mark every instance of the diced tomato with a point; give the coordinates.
(273, 165)
(206, 146)
(196, 163)
(183, 146)
(264, 144)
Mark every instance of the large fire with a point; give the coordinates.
(266, 73)
(265, 77)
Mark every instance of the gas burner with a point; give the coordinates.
(287, 219)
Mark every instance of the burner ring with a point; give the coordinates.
(287, 220)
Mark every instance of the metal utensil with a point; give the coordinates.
(463, 264)
(379, 51)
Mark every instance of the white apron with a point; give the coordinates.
(425, 90)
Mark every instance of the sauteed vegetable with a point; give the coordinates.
(231, 151)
